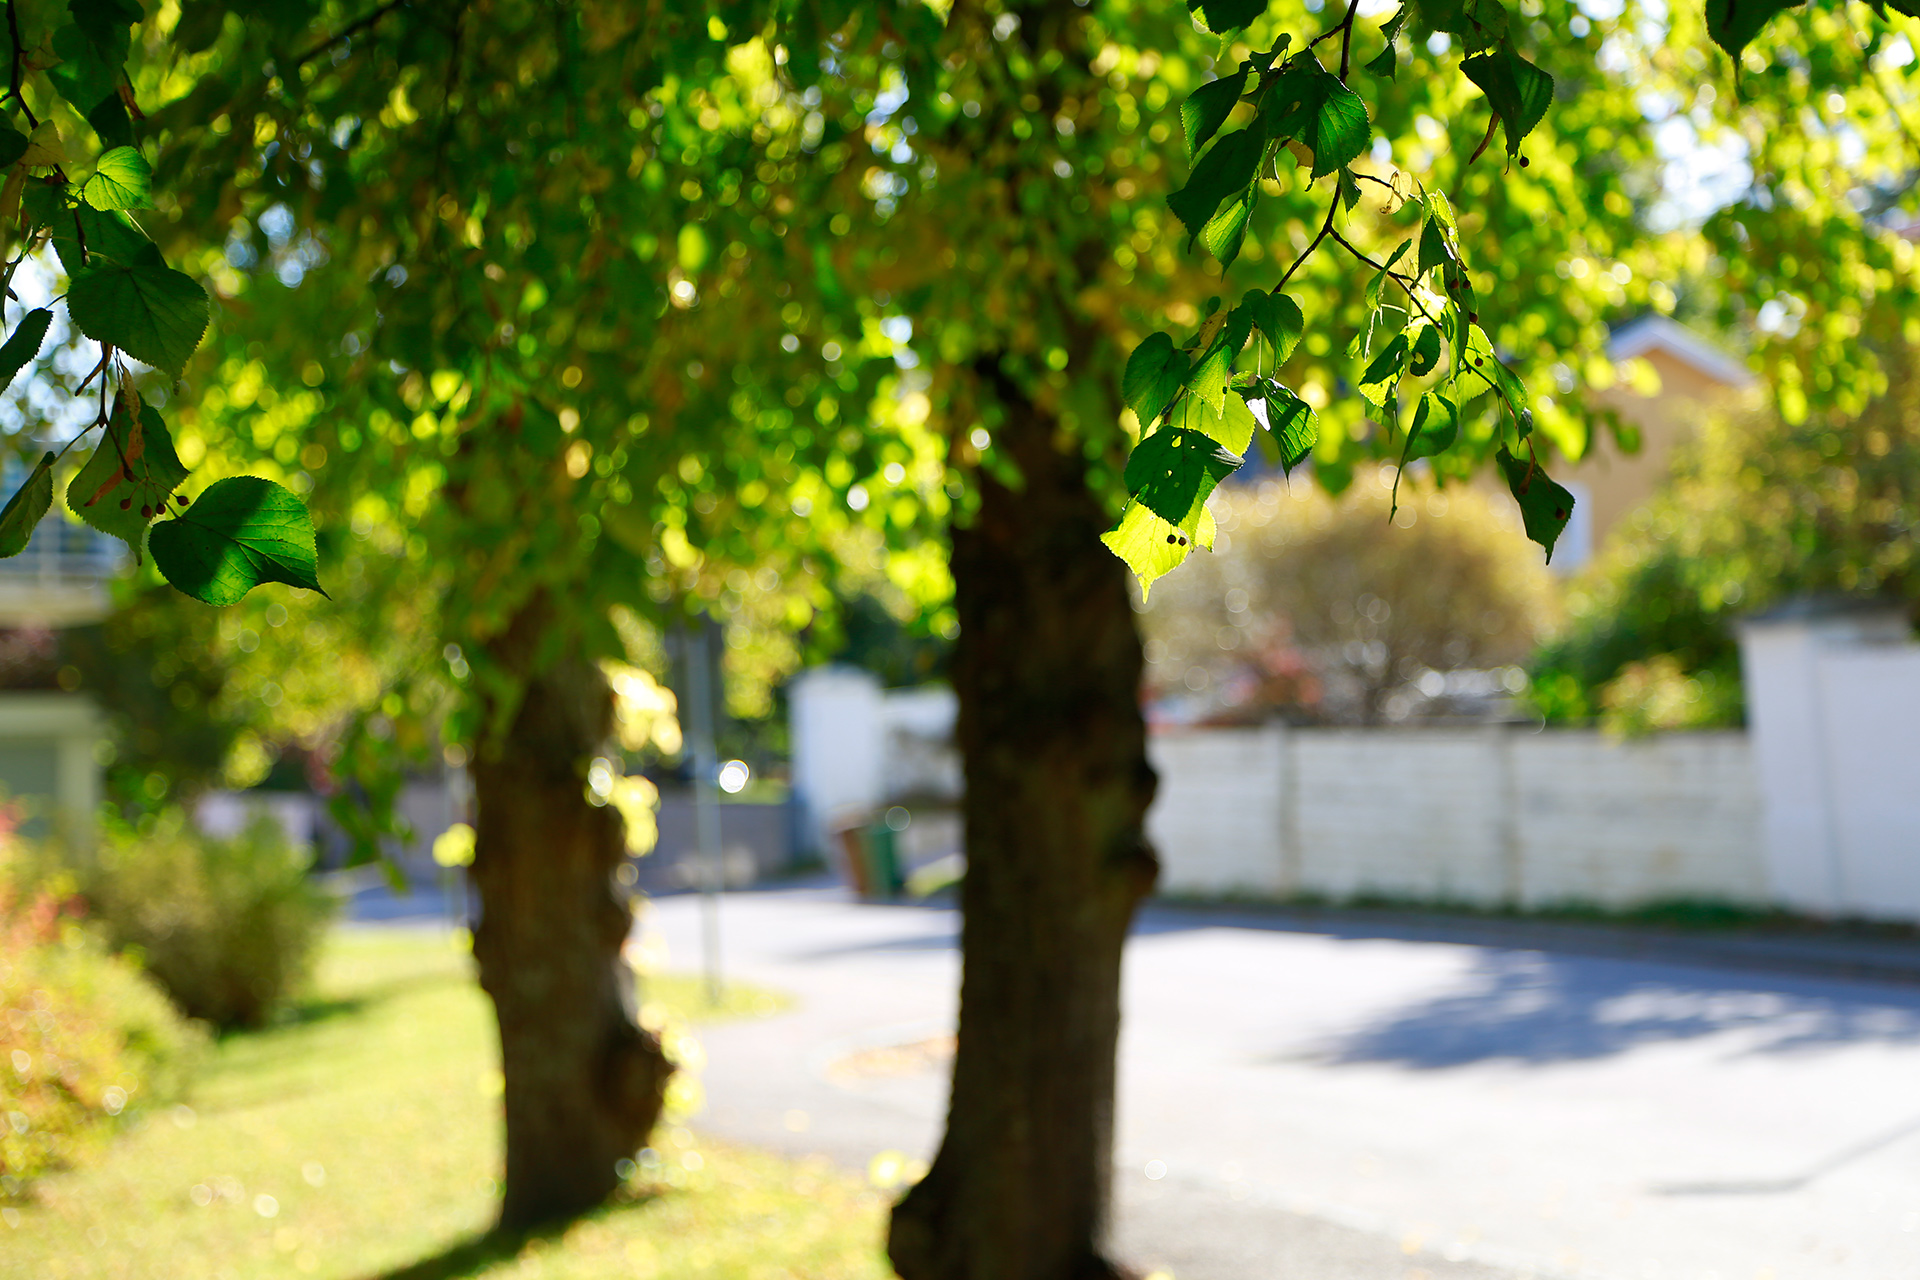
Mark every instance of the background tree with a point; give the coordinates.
(1308, 594)
(535, 414)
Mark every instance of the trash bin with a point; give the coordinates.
(883, 861)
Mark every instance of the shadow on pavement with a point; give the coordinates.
(1535, 1007)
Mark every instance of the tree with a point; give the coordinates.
(517, 231)
(496, 186)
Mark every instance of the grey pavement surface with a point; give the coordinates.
(1345, 1096)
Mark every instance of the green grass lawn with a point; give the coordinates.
(361, 1140)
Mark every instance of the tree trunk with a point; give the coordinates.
(584, 1082)
(1047, 670)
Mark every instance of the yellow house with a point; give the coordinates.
(1696, 379)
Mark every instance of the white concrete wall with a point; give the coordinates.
(1493, 816)
(857, 747)
(1834, 704)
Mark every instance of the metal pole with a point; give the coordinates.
(706, 803)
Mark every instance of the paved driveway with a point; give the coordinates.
(1320, 1100)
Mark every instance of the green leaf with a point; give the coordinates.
(1734, 23)
(1222, 16)
(25, 508)
(1309, 103)
(1481, 361)
(1436, 425)
(1208, 107)
(1518, 91)
(1155, 373)
(1426, 350)
(105, 22)
(111, 124)
(1383, 372)
(111, 235)
(122, 180)
(1434, 250)
(87, 74)
(241, 532)
(1153, 547)
(1294, 425)
(1388, 62)
(13, 145)
(1226, 231)
(153, 313)
(1227, 169)
(1545, 507)
(1277, 317)
(1232, 426)
(129, 477)
(1172, 470)
(23, 344)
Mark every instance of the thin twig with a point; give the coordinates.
(1326, 229)
(13, 27)
(348, 32)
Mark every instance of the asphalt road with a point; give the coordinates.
(1325, 1100)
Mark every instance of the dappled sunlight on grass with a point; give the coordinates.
(360, 1139)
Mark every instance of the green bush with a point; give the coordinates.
(228, 927)
(87, 1042)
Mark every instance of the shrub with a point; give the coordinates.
(228, 927)
(86, 1041)
(1331, 609)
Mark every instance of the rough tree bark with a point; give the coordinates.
(1047, 670)
(584, 1081)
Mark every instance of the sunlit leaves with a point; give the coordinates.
(1436, 425)
(129, 477)
(1173, 470)
(1226, 231)
(241, 532)
(25, 508)
(1278, 319)
(151, 312)
(1233, 426)
(1518, 91)
(1294, 425)
(1153, 547)
(1225, 170)
(1482, 363)
(122, 180)
(1308, 103)
(1155, 373)
(1207, 108)
(1387, 61)
(1545, 507)
(1384, 370)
